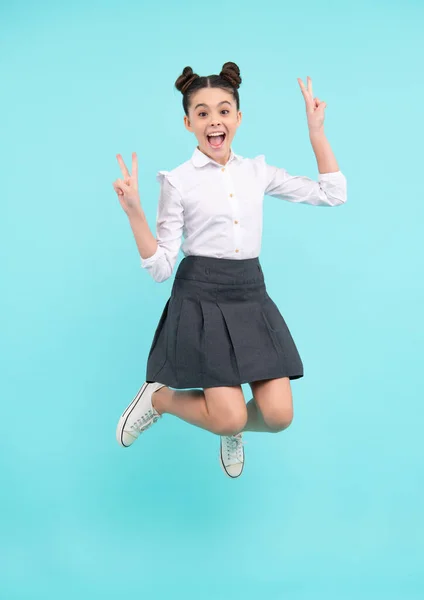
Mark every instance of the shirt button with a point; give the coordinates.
(223, 169)
(237, 249)
(236, 222)
(231, 195)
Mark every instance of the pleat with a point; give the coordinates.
(157, 353)
(218, 356)
(186, 350)
(251, 341)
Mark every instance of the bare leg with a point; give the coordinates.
(189, 405)
(271, 408)
(255, 421)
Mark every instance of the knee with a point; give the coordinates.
(279, 420)
(232, 423)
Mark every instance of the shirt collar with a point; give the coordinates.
(199, 159)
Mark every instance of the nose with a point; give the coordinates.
(216, 121)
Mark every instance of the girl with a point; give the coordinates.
(219, 328)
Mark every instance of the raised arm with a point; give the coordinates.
(315, 108)
(158, 255)
(128, 196)
(331, 187)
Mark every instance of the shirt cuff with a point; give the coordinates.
(148, 262)
(335, 175)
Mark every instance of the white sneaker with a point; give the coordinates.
(232, 455)
(138, 416)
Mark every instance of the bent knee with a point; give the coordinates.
(279, 420)
(232, 423)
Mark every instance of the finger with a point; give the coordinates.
(310, 86)
(302, 88)
(117, 190)
(123, 166)
(306, 95)
(134, 166)
(120, 185)
(124, 187)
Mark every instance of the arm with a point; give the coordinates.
(326, 160)
(127, 190)
(158, 256)
(331, 187)
(329, 190)
(146, 242)
(315, 115)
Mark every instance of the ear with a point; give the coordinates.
(187, 123)
(239, 117)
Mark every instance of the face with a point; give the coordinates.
(213, 110)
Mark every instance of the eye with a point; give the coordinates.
(223, 110)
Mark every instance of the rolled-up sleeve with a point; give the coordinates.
(169, 229)
(329, 190)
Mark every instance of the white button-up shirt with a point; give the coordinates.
(218, 208)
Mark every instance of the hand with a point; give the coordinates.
(314, 108)
(127, 189)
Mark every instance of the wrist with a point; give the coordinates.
(317, 133)
(136, 214)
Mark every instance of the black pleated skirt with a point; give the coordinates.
(220, 327)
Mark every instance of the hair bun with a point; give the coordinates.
(185, 79)
(231, 73)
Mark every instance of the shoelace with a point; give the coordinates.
(145, 420)
(234, 445)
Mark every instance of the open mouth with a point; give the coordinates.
(216, 141)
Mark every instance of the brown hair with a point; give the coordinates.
(229, 79)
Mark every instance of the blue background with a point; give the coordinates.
(332, 508)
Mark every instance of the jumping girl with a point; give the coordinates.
(220, 328)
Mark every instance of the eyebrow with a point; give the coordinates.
(219, 104)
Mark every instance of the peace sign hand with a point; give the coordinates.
(314, 107)
(127, 188)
